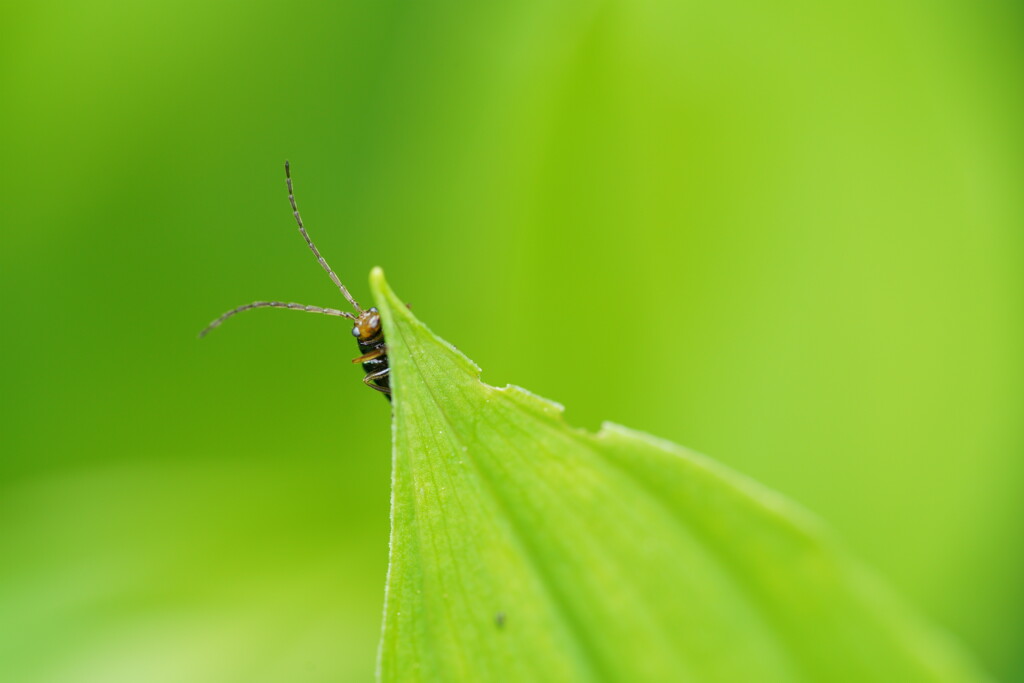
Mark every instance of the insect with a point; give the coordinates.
(366, 329)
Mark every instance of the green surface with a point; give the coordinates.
(787, 236)
(525, 550)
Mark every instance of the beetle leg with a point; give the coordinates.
(376, 353)
(379, 374)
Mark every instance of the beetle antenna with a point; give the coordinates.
(274, 304)
(305, 235)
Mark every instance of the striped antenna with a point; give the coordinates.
(274, 304)
(305, 235)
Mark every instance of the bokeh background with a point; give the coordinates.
(785, 234)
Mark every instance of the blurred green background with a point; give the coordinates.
(788, 236)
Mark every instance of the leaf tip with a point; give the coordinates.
(377, 281)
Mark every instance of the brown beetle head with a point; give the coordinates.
(367, 325)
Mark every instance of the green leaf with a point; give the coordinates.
(523, 549)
